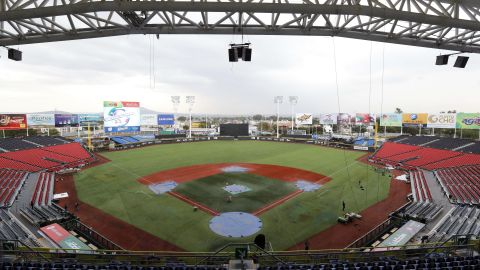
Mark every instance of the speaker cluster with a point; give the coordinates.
(460, 62)
(240, 51)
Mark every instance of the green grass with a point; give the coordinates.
(209, 191)
(113, 188)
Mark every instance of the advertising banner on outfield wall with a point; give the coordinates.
(414, 119)
(89, 119)
(303, 118)
(13, 121)
(121, 116)
(166, 119)
(441, 120)
(40, 120)
(328, 119)
(66, 120)
(364, 119)
(391, 120)
(148, 120)
(468, 120)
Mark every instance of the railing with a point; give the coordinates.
(262, 257)
(90, 234)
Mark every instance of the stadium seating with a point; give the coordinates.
(458, 161)
(14, 144)
(459, 220)
(462, 185)
(424, 211)
(12, 228)
(43, 193)
(449, 143)
(389, 149)
(420, 190)
(10, 183)
(417, 140)
(474, 148)
(52, 158)
(45, 140)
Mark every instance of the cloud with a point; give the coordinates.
(78, 75)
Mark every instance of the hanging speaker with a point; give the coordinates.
(461, 61)
(232, 55)
(442, 60)
(15, 55)
(240, 52)
(260, 241)
(247, 54)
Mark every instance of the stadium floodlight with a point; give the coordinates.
(190, 100)
(278, 100)
(176, 103)
(293, 101)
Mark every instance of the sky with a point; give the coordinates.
(77, 76)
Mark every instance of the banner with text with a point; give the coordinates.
(62, 238)
(344, 121)
(391, 120)
(441, 120)
(166, 119)
(13, 121)
(304, 119)
(40, 120)
(121, 116)
(468, 120)
(148, 120)
(414, 119)
(92, 119)
(66, 120)
(364, 119)
(328, 119)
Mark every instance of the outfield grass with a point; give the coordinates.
(112, 187)
(209, 191)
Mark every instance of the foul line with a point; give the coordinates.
(187, 200)
(272, 205)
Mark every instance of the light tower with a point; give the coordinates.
(190, 100)
(176, 103)
(293, 101)
(278, 100)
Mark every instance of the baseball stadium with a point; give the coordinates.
(130, 188)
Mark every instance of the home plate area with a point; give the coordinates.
(235, 224)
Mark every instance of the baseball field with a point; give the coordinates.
(269, 190)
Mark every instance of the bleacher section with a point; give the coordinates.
(410, 157)
(14, 144)
(420, 190)
(43, 193)
(474, 148)
(53, 158)
(460, 220)
(12, 229)
(122, 140)
(449, 143)
(423, 211)
(40, 215)
(417, 140)
(462, 185)
(10, 183)
(45, 141)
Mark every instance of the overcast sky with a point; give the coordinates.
(77, 76)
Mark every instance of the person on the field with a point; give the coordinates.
(343, 206)
(307, 245)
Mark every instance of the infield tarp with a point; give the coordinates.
(403, 235)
